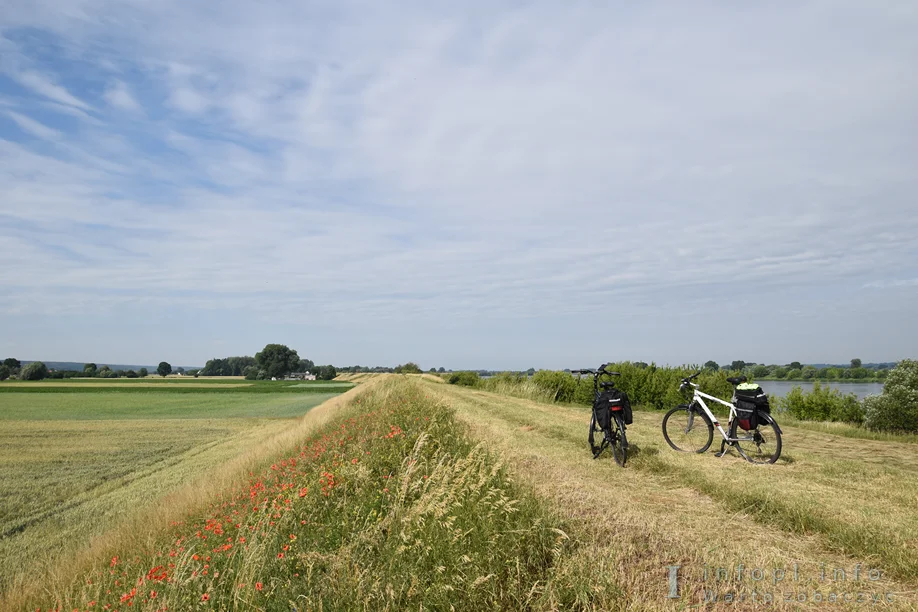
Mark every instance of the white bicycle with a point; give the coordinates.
(689, 428)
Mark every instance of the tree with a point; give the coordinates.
(737, 366)
(12, 363)
(530, 372)
(794, 365)
(306, 365)
(326, 372)
(896, 409)
(4, 372)
(408, 368)
(90, 370)
(34, 371)
(130, 374)
(142, 372)
(180, 370)
(760, 371)
(277, 360)
(855, 363)
(441, 370)
(711, 365)
(250, 372)
(164, 369)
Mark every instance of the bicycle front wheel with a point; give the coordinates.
(688, 429)
(759, 445)
(619, 441)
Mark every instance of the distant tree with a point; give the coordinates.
(251, 372)
(760, 371)
(130, 374)
(90, 370)
(642, 364)
(809, 373)
(306, 365)
(12, 363)
(432, 371)
(408, 368)
(34, 371)
(441, 370)
(277, 360)
(164, 369)
(4, 372)
(795, 374)
(326, 372)
(779, 372)
(711, 365)
(855, 363)
(738, 365)
(530, 372)
(180, 370)
(794, 365)
(142, 372)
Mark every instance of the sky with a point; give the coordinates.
(497, 185)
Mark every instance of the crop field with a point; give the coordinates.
(75, 465)
(406, 493)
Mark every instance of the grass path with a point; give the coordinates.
(832, 500)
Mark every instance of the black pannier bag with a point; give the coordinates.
(751, 401)
(613, 401)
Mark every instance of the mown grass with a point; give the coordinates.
(389, 506)
(831, 502)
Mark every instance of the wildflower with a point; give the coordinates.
(205, 597)
(304, 491)
(152, 594)
(280, 555)
(114, 561)
(257, 586)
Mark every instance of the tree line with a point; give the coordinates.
(795, 370)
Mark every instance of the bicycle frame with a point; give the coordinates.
(697, 398)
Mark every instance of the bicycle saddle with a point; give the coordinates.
(735, 380)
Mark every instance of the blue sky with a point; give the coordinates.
(496, 185)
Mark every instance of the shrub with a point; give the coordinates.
(559, 386)
(464, 378)
(4, 372)
(896, 409)
(822, 404)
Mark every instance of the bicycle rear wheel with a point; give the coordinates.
(619, 441)
(687, 429)
(759, 445)
(596, 437)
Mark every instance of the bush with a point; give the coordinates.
(4, 372)
(822, 404)
(465, 379)
(559, 386)
(896, 410)
(34, 371)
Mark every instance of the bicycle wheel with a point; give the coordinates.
(759, 445)
(688, 429)
(619, 441)
(596, 437)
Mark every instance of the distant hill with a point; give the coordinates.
(73, 365)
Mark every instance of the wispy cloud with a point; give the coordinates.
(33, 127)
(489, 169)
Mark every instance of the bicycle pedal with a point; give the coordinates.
(720, 454)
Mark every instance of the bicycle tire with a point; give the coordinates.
(619, 441)
(683, 420)
(761, 445)
(596, 449)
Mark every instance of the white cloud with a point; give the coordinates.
(35, 128)
(119, 96)
(482, 161)
(42, 85)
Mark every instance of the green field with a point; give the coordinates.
(75, 465)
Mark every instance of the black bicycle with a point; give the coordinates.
(608, 419)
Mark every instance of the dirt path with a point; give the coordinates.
(808, 516)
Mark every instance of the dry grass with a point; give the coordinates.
(84, 385)
(835, 501)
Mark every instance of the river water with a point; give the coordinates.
(779, 388)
